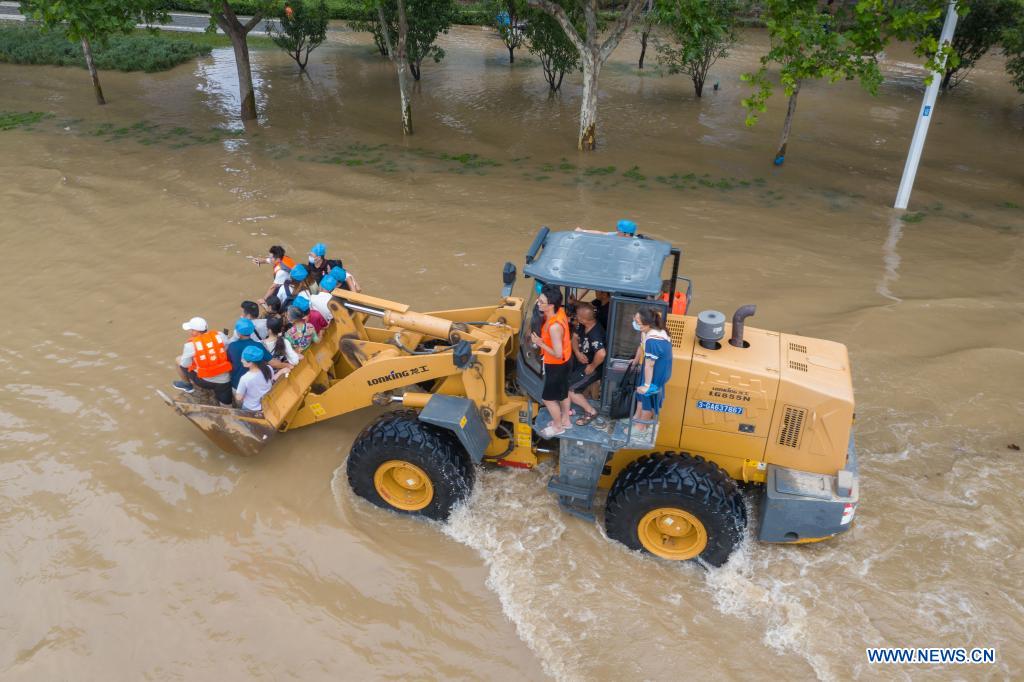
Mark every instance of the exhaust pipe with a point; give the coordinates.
(742, 313)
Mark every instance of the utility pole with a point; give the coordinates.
(925, 115)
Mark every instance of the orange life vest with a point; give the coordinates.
(678, 305)
(545, 335)
(211, 358)
(285, 261)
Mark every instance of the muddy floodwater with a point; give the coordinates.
(131, 549)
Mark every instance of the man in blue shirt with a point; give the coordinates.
(244, 328)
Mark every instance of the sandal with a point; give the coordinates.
(586, 419)
(550, 432)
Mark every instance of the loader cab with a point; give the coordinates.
(580, 263)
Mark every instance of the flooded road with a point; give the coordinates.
(133, 550)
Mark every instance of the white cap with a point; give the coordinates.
(196, 324)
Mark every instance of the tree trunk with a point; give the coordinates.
(87, 52)
(780, 156)
(396, 51)
(246, 93)
(588, 107)
(698, 85)
(414, 68)
(643, 47)
(947, 78)
(511, 55)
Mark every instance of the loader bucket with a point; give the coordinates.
(229, 429)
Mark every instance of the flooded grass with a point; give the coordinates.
(388, 159)
(9, 120)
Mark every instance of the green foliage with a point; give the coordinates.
(808, 42)
(136, 52)
(506, 16)
(427, 19)
(976, 32)
(700, 32)
(95, 20)
(1013, 46)
(546, 39)
(303, 29)
(349, 10)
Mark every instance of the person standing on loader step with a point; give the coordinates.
(657, 364)
(588, 346)
(556, 348)
(244, 328)
(255, 382)
(204, 362)
(282, 266)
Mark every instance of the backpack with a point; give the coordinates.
(622, 399)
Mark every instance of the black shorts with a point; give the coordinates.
(580, 380)
(223, 391)
(556, 382)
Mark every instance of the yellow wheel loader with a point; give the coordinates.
(748, 414)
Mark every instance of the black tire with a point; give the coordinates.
(680, 481)
(400, 435)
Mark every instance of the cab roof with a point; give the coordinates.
(600, 262)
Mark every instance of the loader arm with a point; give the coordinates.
(355, 365)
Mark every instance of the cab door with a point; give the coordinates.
(622, 341)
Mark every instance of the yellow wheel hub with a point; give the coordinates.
(403, 485)
(672, 533)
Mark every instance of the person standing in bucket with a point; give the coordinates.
(204, 361)
(556, 349)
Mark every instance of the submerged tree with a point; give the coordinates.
(701, 32)
(546, 39)
(977, 31)
(425, 20)
(808, 44)
(507, 18)
(303, 29)
(222, 16)
(594, 51)
(648, 18)
(1013, 47)
(89, 21)
(397, 52)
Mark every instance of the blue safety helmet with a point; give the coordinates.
(319, 249)
(244, 327)
(252, 354)
(299, 273)
(302, 303)
(339, 273)
(328, 284)
(626, 227)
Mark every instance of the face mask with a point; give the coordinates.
(311, 260)
(636, 326)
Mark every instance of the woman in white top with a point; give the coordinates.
(255, 383)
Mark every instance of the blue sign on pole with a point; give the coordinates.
(927, 110)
